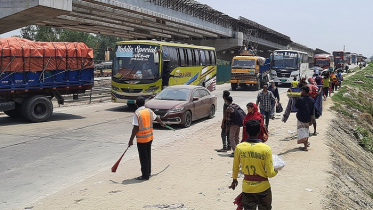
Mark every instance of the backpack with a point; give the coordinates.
(239, 115)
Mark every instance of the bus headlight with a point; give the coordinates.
(115, 88)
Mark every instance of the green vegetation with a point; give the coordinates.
(355, 101)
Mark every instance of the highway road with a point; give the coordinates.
(39, 159)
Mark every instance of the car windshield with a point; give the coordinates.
(135, 61)
(243, 63)
(286, 60)
(174, 94)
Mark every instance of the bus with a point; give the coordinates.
(144, 68)
(287, 64)
(323, 60)
(339, 60)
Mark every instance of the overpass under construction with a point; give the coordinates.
(170, 20)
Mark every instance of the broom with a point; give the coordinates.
(115, 166)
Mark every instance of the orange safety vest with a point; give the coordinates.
(145, 133)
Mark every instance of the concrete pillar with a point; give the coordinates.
(20, 13)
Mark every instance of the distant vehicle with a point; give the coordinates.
(323, 60)
(144, 68)
(287, 64)
(32, 73)
(348, 58)
(340, 61)
(182, 104)
(353, 58)
(103, 69)
(249, 70)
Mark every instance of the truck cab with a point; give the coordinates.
(246, 70)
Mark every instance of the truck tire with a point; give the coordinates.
(4, 106)
(234, 86)
(14, 113)
(37, 108)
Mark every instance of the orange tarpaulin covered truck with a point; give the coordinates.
(32, 73)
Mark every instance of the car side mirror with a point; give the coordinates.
(195, 98)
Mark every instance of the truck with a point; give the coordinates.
(340, 61)
(249, 70)
(33, 73)
(323, 60)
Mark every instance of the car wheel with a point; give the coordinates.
(212, 111)
(187, 119)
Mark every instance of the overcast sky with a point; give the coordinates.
(324, 24)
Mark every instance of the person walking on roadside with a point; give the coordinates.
(232, 128)
(326, 84)
(274, 90)
(253, 114)
(265, 99)
(143, 130)
(255, 159)
(305, 116)
(224, 133)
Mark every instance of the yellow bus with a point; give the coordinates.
(144, 68)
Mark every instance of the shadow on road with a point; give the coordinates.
(290, 150)
(4, 121)
(134, 181)
(124, 108)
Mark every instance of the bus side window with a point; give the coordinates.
(213, 60)
(208, 57)
(173, 57)
(196, 54)
(202, 58)
(190, 57)
(181, 57)
(193, 57)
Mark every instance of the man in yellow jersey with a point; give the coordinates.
(294, 83)
(255, 159)
(143, 130)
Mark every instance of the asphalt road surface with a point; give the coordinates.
(38, 159)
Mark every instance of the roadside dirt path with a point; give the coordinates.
(189, 174)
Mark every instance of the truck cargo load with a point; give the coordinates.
(38, 71)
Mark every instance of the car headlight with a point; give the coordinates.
(151, 89)
(177, 109)
(115, 88)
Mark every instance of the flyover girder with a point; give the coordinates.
(149, 13)
(132, 22)
(151, 20)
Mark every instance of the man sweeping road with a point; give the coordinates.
(143, 130)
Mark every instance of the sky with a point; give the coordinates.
(325, 24)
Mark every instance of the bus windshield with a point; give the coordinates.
(338, 60)
(286, 60)
(321, 62)
(243, 63)
(135, 61)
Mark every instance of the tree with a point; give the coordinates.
(28, 32)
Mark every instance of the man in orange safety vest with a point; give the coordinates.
(143, 130)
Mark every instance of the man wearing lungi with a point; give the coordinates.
(305, 116)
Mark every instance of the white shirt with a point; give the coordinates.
(135, 121)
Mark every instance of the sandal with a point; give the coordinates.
(303, 149)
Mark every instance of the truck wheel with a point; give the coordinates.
(14, 113)
(37, 108)
(234, 86)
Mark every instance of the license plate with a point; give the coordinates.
(242, 81)
(283, 80)
(130, 102)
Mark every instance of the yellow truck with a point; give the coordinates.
(249, 70)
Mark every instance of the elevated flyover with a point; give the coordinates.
(171, 20)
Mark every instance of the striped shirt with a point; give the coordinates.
(265, 100)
